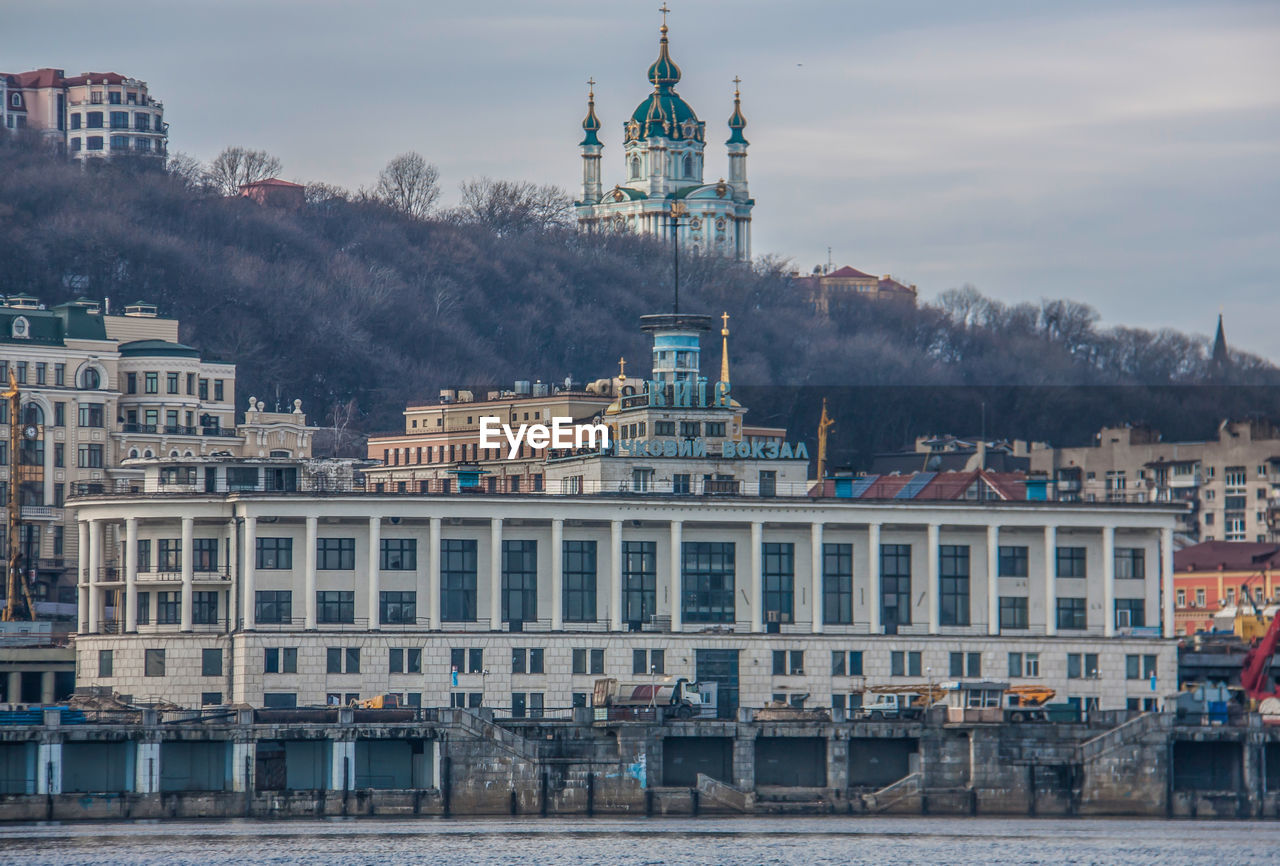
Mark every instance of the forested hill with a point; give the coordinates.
(350, 299)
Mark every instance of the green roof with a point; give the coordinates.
(52, 327)
(157, 349)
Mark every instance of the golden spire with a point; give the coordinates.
(825, 423)
(724, 349)
(622, 369)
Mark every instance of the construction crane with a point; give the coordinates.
(1255, 675)
(825, 423)
(18, 602)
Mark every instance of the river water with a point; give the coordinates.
(556, 842)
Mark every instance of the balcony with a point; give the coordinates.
(41, 512)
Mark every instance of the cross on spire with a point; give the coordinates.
(591, 85)
(664, 10)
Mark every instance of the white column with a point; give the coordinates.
(342, 773)
(433, 575)
(675, 577)
(242, 765)
(131, 574)
(188, 569)
(931, 591)
(495, 574)
(82, 574)
(147, 768)
(1108, 581)
(815, 577)
(557, 574)
(249, 584)
(234, 587)
(757, 586)
(873, 576)
(309, 575)
(375, 571)
(1166, 580)
(95, 563)
(615, 575)
(993, 579)
(1050, 575)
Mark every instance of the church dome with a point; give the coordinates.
(590, 123)
(664, 112)
(737, 122)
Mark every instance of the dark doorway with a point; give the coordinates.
(876, 762)
(683, 758)
(720, 667)
(793, 762)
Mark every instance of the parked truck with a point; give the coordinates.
(896, 702)
(679, 697)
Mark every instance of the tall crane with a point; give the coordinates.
(18, 602)
(825, 423)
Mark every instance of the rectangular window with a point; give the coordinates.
(170, 554)
(953, 574)
(778, 582)
(211, 663)
(837, 584)
(144, 608)
(395, 660)
(273, 606)
(333, 660)
(153, 663)
(713, 429)
(89, 456)
(204, 551)
(151, 382)
(639, 581)
(1130, 613)
(398, 607)
(280, 660)
(168, 608)
(904, 664)
(966, 665)
(40, 372)
(1013, 612)
(588, 661)
(171, 383)
(399, 554)
(578, 563)
(648, 662)
(708, 580)
(335, 606)
(60, 377)
(681, 483)
(519, 581)
(275, 553)
(59, 413)
(204, 608)
(1071, 562)
(335, 554)
(1013, 561)
(895, 586)
(217, 391)
(1131, 563)
(59, 455)
(458, 579)
(1071, 613)
(105, 663)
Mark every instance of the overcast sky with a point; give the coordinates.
(1125, 154)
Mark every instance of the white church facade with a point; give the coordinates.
(664, 192)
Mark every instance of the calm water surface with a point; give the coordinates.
(551, 842)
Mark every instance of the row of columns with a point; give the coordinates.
(91, 557)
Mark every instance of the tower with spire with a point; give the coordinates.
(663, 147)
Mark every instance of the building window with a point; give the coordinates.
(458, 579)
(335, 554)
(953, 574)
(171, 383)
(204, 608)
(218, 391)
(1131, 563)
(399, 554)
(59, 413)
(144, 608)
(151, 383)
(895, 586)
(639, 581)
(788, 663)
(168, 608)
(170, 554)
(1130, 613)
(588, 661)
(664, 428)
(708, 574)
(90, 415)
(966, 664)
(59, 455)
(1013, 612)
(404, 660)
(105, 663)
(211, 663)
(1082, 666)
(398, 608)
(335, 606)
(648, 662)
(274, 606)
(336, 657)
(93, 119)
(837, 584)
(1139, 667)
(519, 581)
(779, 581)
(153, 663)
(205, 554)
(526, 661)
(1024, 664)
(846, 663)
(904, 664)
(578, 562)
(1071, 613)
(1013, 561)
(768, 482)
(275, 553)
(1071, 562)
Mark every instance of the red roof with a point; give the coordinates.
(891, 285)
(38, 78)
(851, 273)
(1228, 556)
(945, 486)
(271, 181)
(96, 78)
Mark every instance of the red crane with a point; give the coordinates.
(1255, 675)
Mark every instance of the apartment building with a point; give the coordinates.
(97, 391)
(92, 115)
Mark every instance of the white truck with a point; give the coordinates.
(678, 697)
(891, 706)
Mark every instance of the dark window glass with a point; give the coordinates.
(211, 663)
(153, 663)
(578, 561)
(273, 606)
(204, 552)
(1013, 561)
(837, 584)
(1013, 612)
(519, 581)
(335, 606)
(639, 580)
(1130, 612)
(953, 577)
(399, 554)
(778, 581)
(204, 608)
(1131, 563)
(1071, 613)
(895, 586)
(398, 608)
(1071, 562)
(708, 580)
(275, 553)
(335, 554)
(168, 608)
(458, 579)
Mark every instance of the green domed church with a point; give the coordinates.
(663, 150)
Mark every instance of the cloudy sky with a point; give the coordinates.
(1126, 154)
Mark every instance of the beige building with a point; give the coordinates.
(98, 390)
(93, 115)
(1230, 484)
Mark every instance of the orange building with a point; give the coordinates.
(1211, 579)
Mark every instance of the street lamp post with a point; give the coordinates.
(678, 210)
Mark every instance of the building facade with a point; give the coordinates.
(93, 115)
(98, 390)
(278, 597)
(664, 146)
(1216, 580)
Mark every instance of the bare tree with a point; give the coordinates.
(324, 193)
(409, 184)
(187, 169)
(509, 206)
(236, 166)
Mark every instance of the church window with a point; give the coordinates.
(688, 166)
(635, 167)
